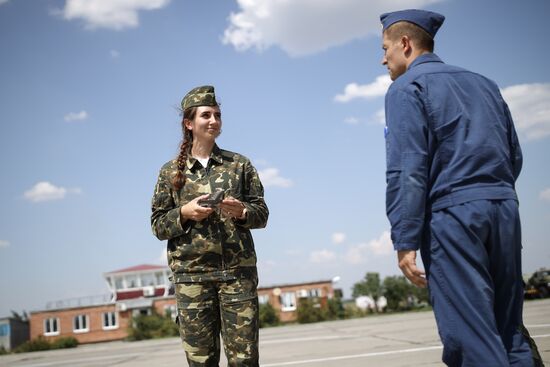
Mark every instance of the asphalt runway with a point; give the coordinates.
(408, 339)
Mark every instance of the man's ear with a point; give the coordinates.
(406, 44)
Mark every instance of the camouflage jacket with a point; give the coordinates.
(216, 246)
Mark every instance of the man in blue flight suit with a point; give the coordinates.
(452, 161)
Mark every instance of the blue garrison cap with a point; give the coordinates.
(427, 20)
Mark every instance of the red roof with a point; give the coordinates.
(142, 267)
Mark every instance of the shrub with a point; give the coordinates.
(268, 316)
(65, 342)
(34, 345)
(3, 350)
(309, 311)
(152, 327)
(334, 310)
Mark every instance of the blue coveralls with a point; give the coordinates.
(452, 160)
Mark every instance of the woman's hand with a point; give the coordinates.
(193, 211)
(233, 208)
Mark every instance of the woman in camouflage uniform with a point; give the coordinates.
(210, 249)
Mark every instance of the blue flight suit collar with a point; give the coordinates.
(424, 58)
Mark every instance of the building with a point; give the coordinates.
(285, 298)
(13, 332)
(139, 290)
(133, 291)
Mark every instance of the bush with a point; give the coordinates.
(34, 345)
(3, 350)
(65, 342)
(334, 310)
(309, 311)
(268, 316)
(152, 327)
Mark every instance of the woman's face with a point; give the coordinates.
(207, 124)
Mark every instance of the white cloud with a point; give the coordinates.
(357, 254)
(76, 116)
(114, 54)
(360, 253)
(322, 256)
(382, 245)
(545, 194)
(352, 120)
(307, 26)
(271, 177)
(530, 107)
(45, 191)
(338, 238)
(4, 243)
(377, 88)
(3, 1)
(111, 14)
(379, 117)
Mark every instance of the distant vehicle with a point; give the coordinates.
(538, 285)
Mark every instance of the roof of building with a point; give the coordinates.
(295, 284)
(143, 267)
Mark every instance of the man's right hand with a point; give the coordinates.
(407, 264)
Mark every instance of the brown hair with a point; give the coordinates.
(185, 147)
(418, 36)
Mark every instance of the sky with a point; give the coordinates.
(89, 96)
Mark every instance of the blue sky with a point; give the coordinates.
(88, 114)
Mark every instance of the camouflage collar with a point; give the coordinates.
(216, 156)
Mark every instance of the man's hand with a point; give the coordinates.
(407, 264)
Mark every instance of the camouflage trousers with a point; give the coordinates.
(208, 308)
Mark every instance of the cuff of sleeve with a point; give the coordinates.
(245, 222)
(174, 218)
(405, 246)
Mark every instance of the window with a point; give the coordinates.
(160, 278)
(147, 279)
(110, 320)
(80, 324)
(263, 299)
(118, 283)
(4, 329)
(288, 301)
(316, 292)
(51, 326)
(302, 293)
(131, 281)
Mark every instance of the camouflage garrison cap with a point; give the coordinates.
(199, 96)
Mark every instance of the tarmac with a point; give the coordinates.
(405, 339)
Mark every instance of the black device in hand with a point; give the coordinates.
(213, 200)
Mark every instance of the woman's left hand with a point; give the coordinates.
(233, 208)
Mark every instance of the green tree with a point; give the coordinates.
(369, 286)
(334, 309)
(398, 291)
(268, 315)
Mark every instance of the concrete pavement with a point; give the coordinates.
(408, 339)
